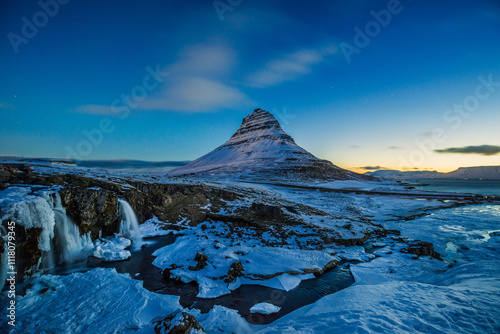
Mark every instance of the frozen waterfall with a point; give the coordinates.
(67, 243)
(129, 226)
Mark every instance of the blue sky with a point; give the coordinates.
(375, 107)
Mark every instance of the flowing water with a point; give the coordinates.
(140, 266)
(67, 245)
(129, 226)
(69, 252)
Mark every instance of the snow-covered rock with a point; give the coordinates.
(221, 319)
(265, 308)
(154, 228)
(29, 211)
(112, 249)
(261, 264)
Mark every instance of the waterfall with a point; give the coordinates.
(60, 239)
(129, 226)
(67, 244)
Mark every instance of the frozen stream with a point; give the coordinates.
(140, 266)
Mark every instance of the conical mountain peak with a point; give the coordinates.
(259, 125)
(259, 116)
(260, 149)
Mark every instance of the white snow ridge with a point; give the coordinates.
(261, 150)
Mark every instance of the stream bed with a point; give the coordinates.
(139, 266)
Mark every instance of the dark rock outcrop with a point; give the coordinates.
(318, 272)
(235, 270)
(94, 210)
(201, 260)
(421, 248)
(27, 252)
(7, 174)
(179, 323)
(271, 211)
(167, 275)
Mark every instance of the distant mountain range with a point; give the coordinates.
(132, 165)
(261, 150)
(122, 165)
(480, 172)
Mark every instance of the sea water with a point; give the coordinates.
(480, 187)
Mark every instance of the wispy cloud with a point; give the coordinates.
(289, 67)
(372, 167)
(201, 80)
(94, 109)
(198, 82)
(395, 148)
(195, 94)
(481, 150)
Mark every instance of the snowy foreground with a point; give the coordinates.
(394, 291)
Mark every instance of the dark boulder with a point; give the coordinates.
(201, 260)
(421, 248)
(235, 270)
(178, 323)
(266, 210)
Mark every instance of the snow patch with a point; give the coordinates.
(97, 301)
(265, 308)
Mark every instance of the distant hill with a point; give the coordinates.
(396, 174)
(122, 165)
(480, 172)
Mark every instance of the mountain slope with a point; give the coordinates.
(480, 172)
(260, 149)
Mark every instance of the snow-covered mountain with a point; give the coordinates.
(260, 149)
(480, 172)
